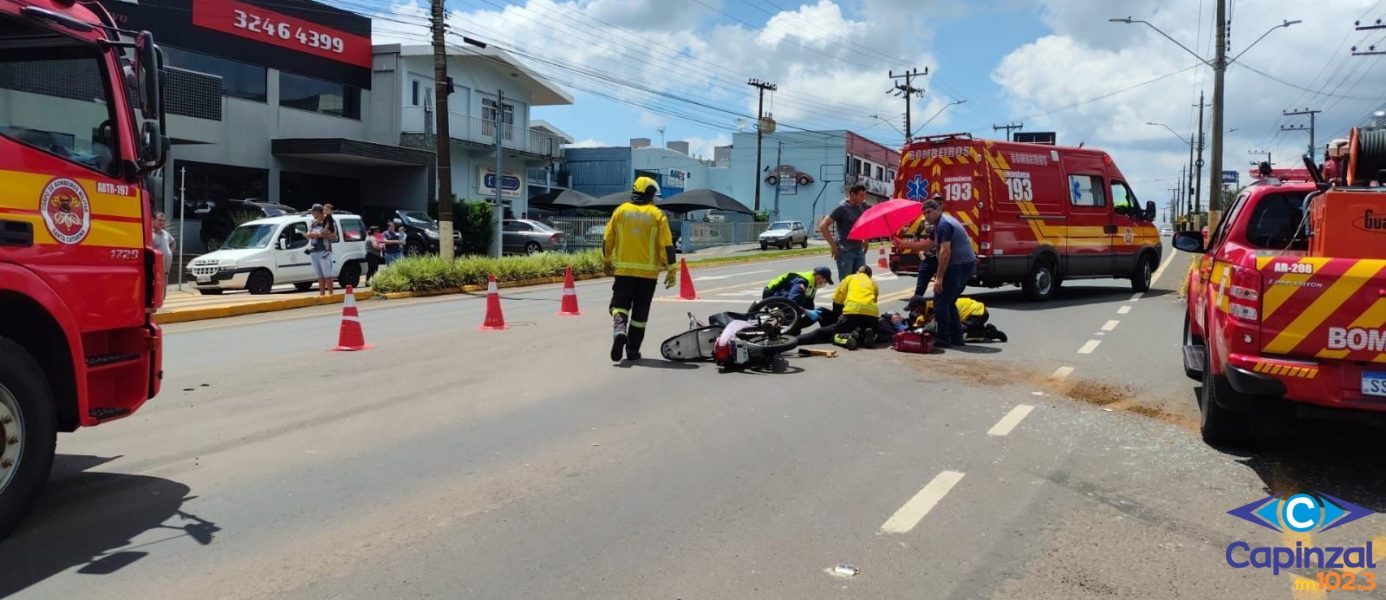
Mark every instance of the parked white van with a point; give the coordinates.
(265, 252)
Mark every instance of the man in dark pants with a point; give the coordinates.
(958, 263)
(850, 254)
(637, 246)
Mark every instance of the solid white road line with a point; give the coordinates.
(913, 511)
(1161, 271)
(1089, 347)
(1061, 373)
(1110, 325)
(1123, 310)
(1008, 422)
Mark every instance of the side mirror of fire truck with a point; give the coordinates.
(147, 79)
(153, 146)
(1188, 241)
(1150, 210)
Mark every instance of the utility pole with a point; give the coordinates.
(1008, 127)
(760, 127)
(1219, 70)
(497, 249)
(1198, 165)
(1310, 129)
(907, 91)
(1183, 192)
(1189, 194)
(443, 144)
(1371, 50)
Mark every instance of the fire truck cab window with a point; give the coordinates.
(1274, 222)
(54, 98)
(1086, 190)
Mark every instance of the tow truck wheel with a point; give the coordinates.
(1220, 426)
(1140, 280)
(27, 433)
(1042, 281)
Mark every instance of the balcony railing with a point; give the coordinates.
(477, 129)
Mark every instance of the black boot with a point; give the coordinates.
(633, 341)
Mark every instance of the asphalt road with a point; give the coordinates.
(452, 463)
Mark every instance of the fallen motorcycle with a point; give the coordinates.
(758, 339)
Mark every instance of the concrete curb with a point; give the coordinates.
(233, 310)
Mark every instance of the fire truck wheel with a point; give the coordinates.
(1042, 281)
(260, 282)
(1220, 426)
(1140, 280)
(27, 432)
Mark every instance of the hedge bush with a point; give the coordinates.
(427, 273)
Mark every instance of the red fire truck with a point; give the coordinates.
(1287, 303)
(1037, 214)
(81, 134)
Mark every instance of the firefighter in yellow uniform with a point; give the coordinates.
(638, 245)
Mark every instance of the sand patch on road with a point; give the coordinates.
(1116, 397)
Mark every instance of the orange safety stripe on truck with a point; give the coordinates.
(116, 220)
(1328, 301)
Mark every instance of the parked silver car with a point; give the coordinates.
(529, 237)
(784, 234)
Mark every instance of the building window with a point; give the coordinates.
(880, 173)
(316, 95)
(238, 80)
(488, 118)
(856, 166)
(414, 92)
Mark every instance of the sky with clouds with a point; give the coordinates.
(636, 66)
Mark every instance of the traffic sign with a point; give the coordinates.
(1231, 177)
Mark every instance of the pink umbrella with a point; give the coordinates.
(885, 219)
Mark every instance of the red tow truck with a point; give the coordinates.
(1287, 304)
(81, 136)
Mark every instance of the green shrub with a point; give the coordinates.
(426, 273)
(472, 219)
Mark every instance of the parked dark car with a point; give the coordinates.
(420, 230)
(218, 218)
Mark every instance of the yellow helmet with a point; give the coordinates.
(644, 189)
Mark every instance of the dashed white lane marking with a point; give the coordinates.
(1061, 373)
(742, 293)
(1161, 271)
(1089, 347)
(1137, 296)
(886, 276)
(1110, 325)
(1123, 310)
(729, 276)
(914, 511)
(1008, 422)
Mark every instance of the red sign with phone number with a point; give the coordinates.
(264, 25)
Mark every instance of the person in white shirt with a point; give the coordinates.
(163, 240)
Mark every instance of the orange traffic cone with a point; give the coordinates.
(881, 262)
(570, 306)
(686, 291)
(494, 319)
(350, 337)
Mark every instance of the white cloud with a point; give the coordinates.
(1086, 57)
(701, 147)
(650, 120)
(588, 143)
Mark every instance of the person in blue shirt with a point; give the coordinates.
(957, 263)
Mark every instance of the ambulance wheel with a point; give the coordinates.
(1042, 281)
(1140, 279)
(1220, 426)
(28, 432)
